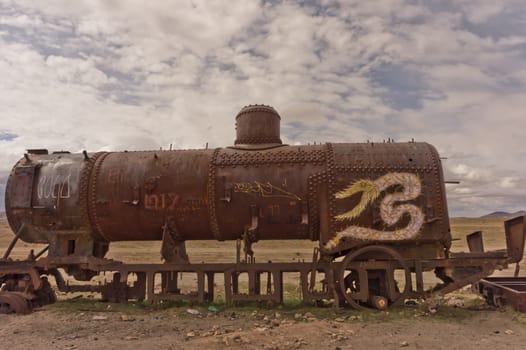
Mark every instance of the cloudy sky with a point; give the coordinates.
(115, 75)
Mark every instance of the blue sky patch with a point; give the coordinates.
(7, 136)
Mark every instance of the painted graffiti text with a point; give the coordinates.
(54, 186)
(263, 190)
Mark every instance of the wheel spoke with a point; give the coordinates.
(365, 285)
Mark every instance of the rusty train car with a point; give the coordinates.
(375, 208)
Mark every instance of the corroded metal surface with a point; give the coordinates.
(11, 302)
(501, 291)
(291, 191)
(257, 125)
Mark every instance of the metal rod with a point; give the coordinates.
(13, 242)
(40, 253)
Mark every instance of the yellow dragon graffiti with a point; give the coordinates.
(389, 212)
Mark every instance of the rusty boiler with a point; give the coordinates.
(343, 194)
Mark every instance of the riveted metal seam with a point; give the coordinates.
(211, 193)
(271, 157)
(330, 163)
(84, 190)
(92, 196)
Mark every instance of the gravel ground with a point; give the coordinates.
(87, 324)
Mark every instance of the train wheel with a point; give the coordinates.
(367, 278)
(14, 303)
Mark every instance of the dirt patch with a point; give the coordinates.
(88, 324)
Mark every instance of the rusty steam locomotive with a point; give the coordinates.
(375, 208)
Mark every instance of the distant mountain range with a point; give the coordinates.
(503, 214)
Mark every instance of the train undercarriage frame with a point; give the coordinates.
(372, 276)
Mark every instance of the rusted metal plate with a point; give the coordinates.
(257, 125)
(376, 181)
(13, 302)
(266, 188)
(133, 194)
(500, 291)
(45, 193)
(515, 235)
(19, 195)
(475, 242)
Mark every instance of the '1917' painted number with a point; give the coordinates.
(161, 201)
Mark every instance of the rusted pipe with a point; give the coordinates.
(13, 242)
(40, 253)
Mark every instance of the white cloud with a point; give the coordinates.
(466, 172)
(74, 70)
(463, 190)
(21, 21)
(482, 10)
(508, 182)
